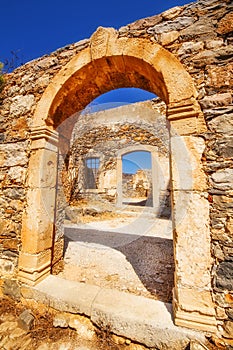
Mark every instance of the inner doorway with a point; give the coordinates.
(137, 184)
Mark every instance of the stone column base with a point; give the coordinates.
(34, 278)
(195, 321)
(192, 316)
(33, 268)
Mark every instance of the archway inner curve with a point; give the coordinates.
(99, 77)
(110, 63)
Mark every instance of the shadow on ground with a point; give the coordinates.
(150, 257)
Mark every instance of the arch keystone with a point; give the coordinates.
(99, 41)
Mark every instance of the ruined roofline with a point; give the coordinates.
(147, 104)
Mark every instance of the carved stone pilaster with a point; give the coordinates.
(186, 118)
(37, 232)
(43, 137)
(188, 110)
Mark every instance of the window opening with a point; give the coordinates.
(91, 172)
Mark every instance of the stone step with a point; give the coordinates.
(144, 320)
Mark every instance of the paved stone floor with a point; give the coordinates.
(132, 254)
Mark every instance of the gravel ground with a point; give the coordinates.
(132, 254)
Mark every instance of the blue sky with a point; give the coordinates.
(32, 28)
(133, 161)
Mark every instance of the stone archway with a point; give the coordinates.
(109, 63)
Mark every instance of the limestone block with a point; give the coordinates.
(26, 320)
(37, 229)
(11, 288)
(8, 228)
(99, 41)
(61, 320)
(195, 300)
(141, 49)
(223, 179)
(44, 138)
(7, 267)
(216, 100)
(205, 57)
(32, 263)
(186, 126)
(83, 326)
(43, 81)
(172, 13)
(228, 329)
(220, 76)
(190, 47)
(192, 239)
(222, 124)
(186, 165)
(14, 154)
(213, 44)
(47, 62)
(221, 313)
(22, 104)
(168, 38)
(17, 174)
(202, 28)
(176, 24)
(11, 244)
(43, 169)
(225, 25)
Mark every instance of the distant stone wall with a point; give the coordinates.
(200, 36)
(103, 134)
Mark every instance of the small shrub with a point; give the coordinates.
(1, 77)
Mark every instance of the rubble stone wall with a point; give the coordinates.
(103, 134)
(200, 36)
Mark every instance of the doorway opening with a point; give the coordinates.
(137, 184)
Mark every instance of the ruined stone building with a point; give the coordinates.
(99, 142)
(184, 56)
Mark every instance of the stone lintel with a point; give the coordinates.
(43, 137)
